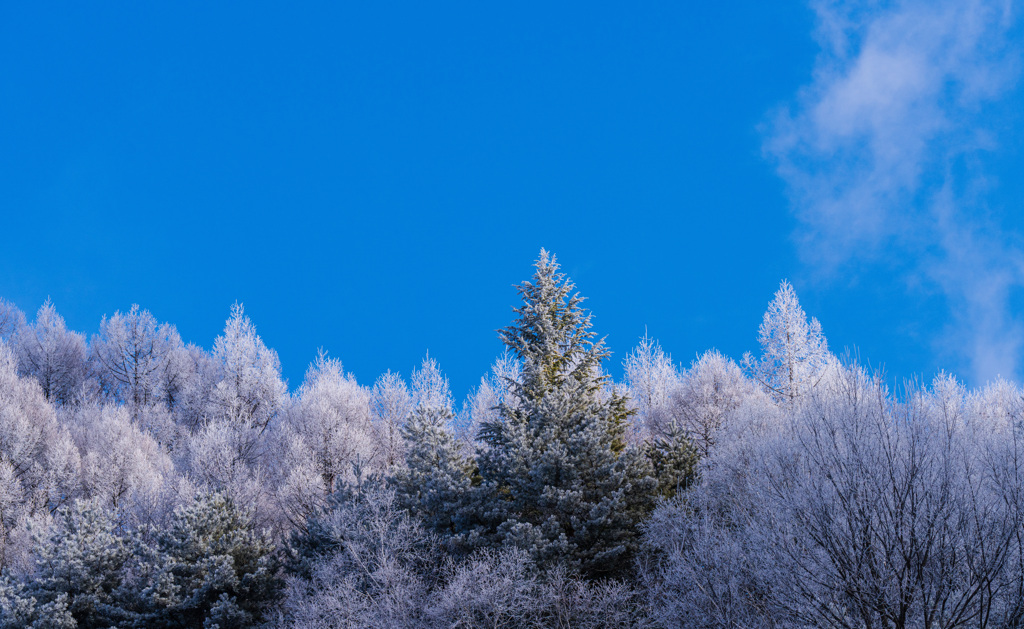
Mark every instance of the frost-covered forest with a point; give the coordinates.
(146, 482)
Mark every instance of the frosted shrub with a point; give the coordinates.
(364, 562)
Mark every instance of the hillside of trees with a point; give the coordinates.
(146, 482)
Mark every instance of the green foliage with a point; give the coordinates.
(210, 569)
(674, 460)
(79, 577)
(557, 478)
(437, 475)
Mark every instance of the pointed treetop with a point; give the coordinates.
(552, 334)
(794, 351)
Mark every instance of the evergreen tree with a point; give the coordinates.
(209, 569)
(79, 578)
(556, 476)
(674, 460)
(436, 475)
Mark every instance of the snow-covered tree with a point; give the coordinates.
(209, 568)
(326, 432)
(391, 403)
(505, 589)
(365, 562)
(674, 461)
(436, 474)
(187, 385)
(709, 394)
(213, 458)
(249, 393)
(482, 405)
(79, 576)
(862, 511)
(11, 319)
(430, 386)
(558, 479)
(703, 574)
(434, 481)
(53, 355)
(121, 466)
(650, 380)
(39, 464)
(131, 356)
(794, 352)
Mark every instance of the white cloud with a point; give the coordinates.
(877, 154)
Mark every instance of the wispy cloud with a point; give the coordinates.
(880, 152)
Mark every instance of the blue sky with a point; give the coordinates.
(373, 178)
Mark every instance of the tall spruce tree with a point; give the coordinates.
(556, 476)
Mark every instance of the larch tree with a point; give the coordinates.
(250, 392)
(650, 377)
(794, 352)
(556, 477)
(11, 319)
(228, 452)
(482, 405)
(121, 465)
(324, 435)
(430, 386)
(53, 355)
(187, 384)
(860, 511)
(391, 403)
(132, 354)
(708, 396)
(39, 464)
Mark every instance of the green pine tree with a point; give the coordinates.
(436, 477)
(556, 476)
(80, 579)
(674, 460)
(210, 569)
